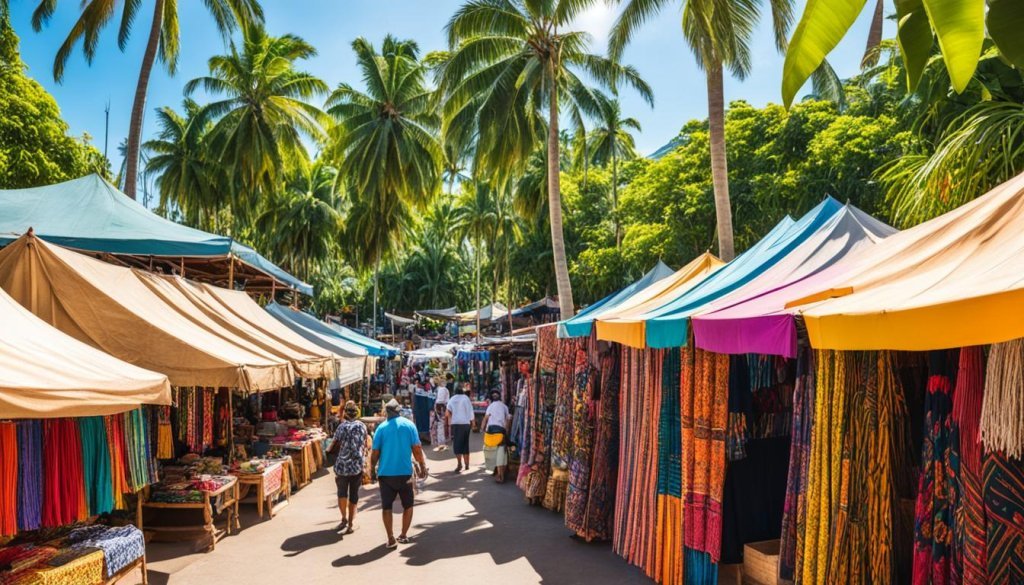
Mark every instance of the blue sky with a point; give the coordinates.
(659, 53)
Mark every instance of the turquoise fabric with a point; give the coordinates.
(582, 322)
(395, 439)
(668, 325)
(88, 213)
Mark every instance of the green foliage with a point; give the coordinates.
(35, 148)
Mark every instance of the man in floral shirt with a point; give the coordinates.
(350, 445)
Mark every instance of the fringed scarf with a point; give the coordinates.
(933, 513)
(795, 507)
(1002, 432)
(30, 474)
(8, 478)
(704, 391)
(969, 516)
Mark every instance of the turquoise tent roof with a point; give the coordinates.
(90, 214)
(667, 326)
(580, 324)
(326, 335)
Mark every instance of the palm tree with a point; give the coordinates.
(387, 146)
(609, 142)
(186, 177)
(265, 114)
(163, 44)
(511, 59)
(477, 222)
(719, 34)
(303, 221)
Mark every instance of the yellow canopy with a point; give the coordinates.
(46, 374)
(624, 323)
(110, 308)
(350, 367)
(954, 281)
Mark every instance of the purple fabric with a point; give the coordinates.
(762, 334)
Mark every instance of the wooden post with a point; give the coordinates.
(231, 271)
(183, 267)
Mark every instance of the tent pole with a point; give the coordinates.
(231, 272)
(183, 267)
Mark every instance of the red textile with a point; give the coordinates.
(63, 487)
(8, 479)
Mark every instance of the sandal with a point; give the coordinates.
(393, 544)
(405, 540)
(351, 529)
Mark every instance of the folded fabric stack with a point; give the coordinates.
(121, 545)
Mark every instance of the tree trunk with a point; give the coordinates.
(131, 175)
(477, 254)
(376, 278)
(719, 165)
(565, 303)
(870, 58)
(615, 199)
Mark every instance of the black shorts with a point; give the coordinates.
(348, 487)
(392, 486)
(460, 439)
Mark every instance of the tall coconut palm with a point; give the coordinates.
(265, 113)
(608, 143)
(511, 60)
(386, 142)
(303, 220)
(719, 34)
(163, 43)
(186, 177)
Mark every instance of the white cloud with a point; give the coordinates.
(597, 20)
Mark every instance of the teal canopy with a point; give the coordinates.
(326, 335)
(668, 325)
(91, 214)
(580, 324)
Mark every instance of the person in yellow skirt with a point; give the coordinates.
(495, 425)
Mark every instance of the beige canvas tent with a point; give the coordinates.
(46, 374)
(352, 360)
(110, 308)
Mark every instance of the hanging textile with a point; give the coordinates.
(1002, 433)
(165, 437)
(562, 431)
(582, 452)
(969, 516)
(64, 490)
(535, 468)
(600, 508)
(96, 465)
(118, 459)
(30, 474)
(704, 386)
(8, 478)
(933, 513)
(794, 508)
(138, 450)
(668, 565)
(1004, 508)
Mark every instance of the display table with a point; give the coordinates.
(269, 483)
(181, 500)
(307, 458)
(94, 555)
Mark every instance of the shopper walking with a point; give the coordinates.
(495, 425)
(350, 445)
(460, 419)
(395, 443)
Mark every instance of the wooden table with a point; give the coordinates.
(228, 492)
(307, 459)
(267, 486)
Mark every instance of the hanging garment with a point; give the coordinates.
(64, 489)
(969, 516)
(96, 465)
(582, 451)
(8, 478)
(795, 506)
(1004, 509)
(30, 474)
(933, 513)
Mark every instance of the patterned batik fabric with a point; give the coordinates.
(582, 449)
(933, 514)
(704, 385)
(605, 463)
(668, 564)
(969, 515)
(794, 511)
(1004, 515)
(562, 431)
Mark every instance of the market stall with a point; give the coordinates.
(74, 449)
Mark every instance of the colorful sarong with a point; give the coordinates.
(1004, 515)
(795, 507)
(969, 516)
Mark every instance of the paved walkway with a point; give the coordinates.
(466, 529)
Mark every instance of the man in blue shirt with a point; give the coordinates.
(395, 443)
